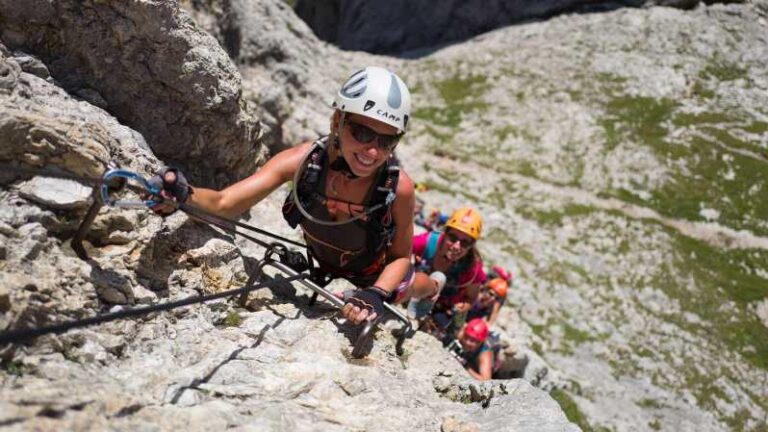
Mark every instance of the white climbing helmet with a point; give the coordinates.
(376, 93)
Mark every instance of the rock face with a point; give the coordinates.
(395, 27)
(150, 66)
(619, 162)
(289, 75)
(203, 367)
(45, 130)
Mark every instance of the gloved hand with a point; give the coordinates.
(173, 187)
(364, 304)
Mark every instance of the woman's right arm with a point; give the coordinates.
(241, 196)
(485, 366)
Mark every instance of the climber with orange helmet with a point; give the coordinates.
(472, 350)
(452, 253)
(492, 296)
(351, 199)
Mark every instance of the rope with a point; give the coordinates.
(16, 336)
(223, 222)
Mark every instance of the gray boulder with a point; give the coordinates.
(289, 75)
(150, 66)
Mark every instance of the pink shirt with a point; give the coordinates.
(474, 274)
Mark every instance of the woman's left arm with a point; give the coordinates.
(399, 253)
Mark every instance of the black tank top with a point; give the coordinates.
(349, 250)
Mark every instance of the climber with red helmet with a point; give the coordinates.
(472, 350)
(353, 202)
(453, 254)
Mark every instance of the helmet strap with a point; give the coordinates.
(336, 135)
(340, 164)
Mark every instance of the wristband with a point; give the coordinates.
(379, 290)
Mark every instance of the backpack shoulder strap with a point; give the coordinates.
(381, 221)
(310, 173)
(431, 249)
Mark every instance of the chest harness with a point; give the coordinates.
(374, 216)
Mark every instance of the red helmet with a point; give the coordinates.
(499, 270)
(476, 329)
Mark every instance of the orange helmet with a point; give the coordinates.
(466, 220)
(477, 329)
(499, 286)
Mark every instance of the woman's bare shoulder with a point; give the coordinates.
(404, 185)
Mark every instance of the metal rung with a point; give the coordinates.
(367, 331)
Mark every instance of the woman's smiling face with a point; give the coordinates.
(364, 158)
(455, 244)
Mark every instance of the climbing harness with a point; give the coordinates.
(305, 193)
(363, 237)
(295, 265)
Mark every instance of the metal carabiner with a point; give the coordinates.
(110, 175)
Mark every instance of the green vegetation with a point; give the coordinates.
(757, 127)
(12, 367)
(577, 336)
(701, 91)
(721, 70)
(702, 118)
(640, 119)
(233, 319)
(509, 130)
(738, 421)
(641, 350)
(571, 336)
(458, 90)
(624, 365)
(536, 347)
(459, 96)
(654, 424)
(712, 159)
(572, 411)
(650, 403)
(718, 277)
(555, 217)
(683, 197)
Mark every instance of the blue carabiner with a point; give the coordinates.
(128, 175)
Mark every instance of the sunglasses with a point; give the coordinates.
(365, 135)
(452, 238)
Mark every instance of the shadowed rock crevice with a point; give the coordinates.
(414, 28)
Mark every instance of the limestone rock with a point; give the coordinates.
(31, 65)
(156, 71)
(565, 133)
(54, 193)
(42, 125)
(761, 309)
(283, 65)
